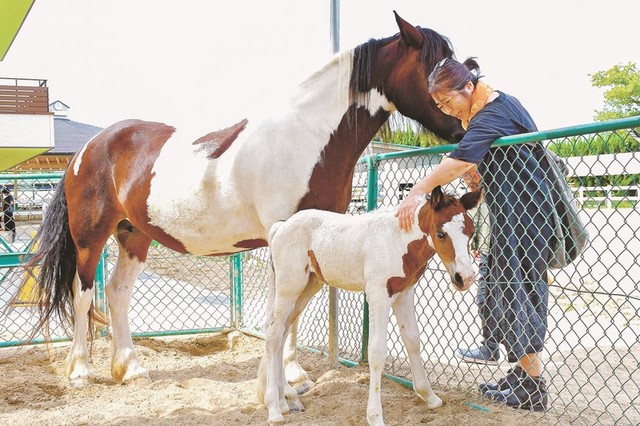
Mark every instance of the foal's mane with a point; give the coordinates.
(433, 49)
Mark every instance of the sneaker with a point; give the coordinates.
(510, 381)
(529, 394)
(485, 354)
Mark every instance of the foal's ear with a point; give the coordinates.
(409, 34)
(437, 198)
(471, 200)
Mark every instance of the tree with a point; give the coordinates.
(622, 97)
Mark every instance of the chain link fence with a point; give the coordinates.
(592, 349)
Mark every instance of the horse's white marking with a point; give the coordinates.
(377, 100)
(78, 160)
(124, 362)
(78, 368)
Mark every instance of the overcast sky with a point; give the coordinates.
(205, 63)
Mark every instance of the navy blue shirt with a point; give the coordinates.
(521, 219)
(504, 116)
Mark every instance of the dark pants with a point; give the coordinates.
(9, 223)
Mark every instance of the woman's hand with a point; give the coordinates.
(407, 211)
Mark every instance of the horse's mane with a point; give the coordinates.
(435, 47)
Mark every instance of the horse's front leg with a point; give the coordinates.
(404, 309)
(379, 305)
(78, 369)
(124, 362)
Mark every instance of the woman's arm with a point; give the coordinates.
(448, 170)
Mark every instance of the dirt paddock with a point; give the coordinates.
(210, 379)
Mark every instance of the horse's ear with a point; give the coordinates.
(409, 34)
(437, 198)
(471, 200)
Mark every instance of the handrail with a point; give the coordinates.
(582, 129)
(40, 81)
(25, 176)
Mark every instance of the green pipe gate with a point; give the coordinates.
(592, 353)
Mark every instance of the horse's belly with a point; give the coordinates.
(190, 202)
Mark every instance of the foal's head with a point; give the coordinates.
(445, 220)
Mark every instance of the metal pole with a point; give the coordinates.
(372, 204)
(334, 301)
(335, 26)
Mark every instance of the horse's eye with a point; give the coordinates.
(440, 235)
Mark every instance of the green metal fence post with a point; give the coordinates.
(235, 275)
(100, 296)
(372, 204)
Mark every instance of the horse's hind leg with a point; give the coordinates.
(133, 246)
(296, 376)
(78, 369)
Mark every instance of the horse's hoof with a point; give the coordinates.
(304, 387)
(295, 406)
(139, 377)
(276, 420)
(434, 402)
(80, 382)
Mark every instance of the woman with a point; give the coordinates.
(514, 312)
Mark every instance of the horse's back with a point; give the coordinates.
(124, 143)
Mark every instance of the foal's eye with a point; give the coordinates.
(440, 235)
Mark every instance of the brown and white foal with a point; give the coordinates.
(367, 253)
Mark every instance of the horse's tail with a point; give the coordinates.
(54, 263)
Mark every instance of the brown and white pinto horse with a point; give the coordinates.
(220, 193)
(371, 254)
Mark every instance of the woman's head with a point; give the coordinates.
(451, 84)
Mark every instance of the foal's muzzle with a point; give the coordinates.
(461, 282)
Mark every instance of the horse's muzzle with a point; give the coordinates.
(462, 283)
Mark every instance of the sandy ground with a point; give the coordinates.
(210, 379)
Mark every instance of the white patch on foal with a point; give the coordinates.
(455, 229)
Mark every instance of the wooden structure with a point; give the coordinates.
(24, 96)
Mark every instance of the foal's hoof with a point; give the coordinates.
(304, 387)
(295, 406)
(433, 402)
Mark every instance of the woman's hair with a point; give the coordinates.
(450, 75)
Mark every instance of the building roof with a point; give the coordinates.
(70, 135)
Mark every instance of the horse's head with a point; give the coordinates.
(445, 219)
(400, 69)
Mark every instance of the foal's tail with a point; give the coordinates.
(54, 263)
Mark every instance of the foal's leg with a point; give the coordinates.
(379, 305)
(404, 309)
(133, 246)
(274, 394)
(295, 374)
(291, 394)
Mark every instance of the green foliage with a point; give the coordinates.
(620, 141)
(404, 131)
(622, 97)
